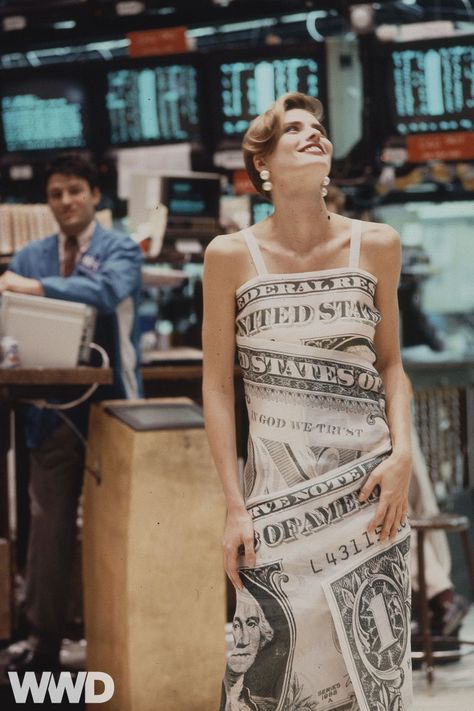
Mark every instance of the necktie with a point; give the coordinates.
(71, 248)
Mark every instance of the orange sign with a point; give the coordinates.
(441, 146)
(150, 43)
(242, 183)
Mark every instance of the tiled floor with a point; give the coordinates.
(453, 686)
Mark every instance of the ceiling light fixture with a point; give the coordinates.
(362, 18)
(14, 22)
(65, 25)
(201, 32)
(249, 25)
(129, 7)
(311, 19)
(295, 17)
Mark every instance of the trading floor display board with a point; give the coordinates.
(43, 111)
(244, 84)
(429, 84)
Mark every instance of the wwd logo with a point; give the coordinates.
(38, 685)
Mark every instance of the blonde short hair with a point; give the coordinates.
(265, 130)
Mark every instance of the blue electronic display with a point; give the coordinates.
(433, 88)
(153, 105)
(44, 113)
(191, 197)
(260, 209)
(249, 87)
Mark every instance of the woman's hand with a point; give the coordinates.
(238, 532)
(393, 476)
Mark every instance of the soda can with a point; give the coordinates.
(9, 356)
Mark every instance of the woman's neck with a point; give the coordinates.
(300, 223)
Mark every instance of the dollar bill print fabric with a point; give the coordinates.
(323, 619)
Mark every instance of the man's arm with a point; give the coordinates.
(18, 277)
(10, 281)
(118, 274)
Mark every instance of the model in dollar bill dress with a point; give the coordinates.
(323, 608)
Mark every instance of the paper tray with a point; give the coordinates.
(176, 416)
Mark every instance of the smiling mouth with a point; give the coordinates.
(313, 148)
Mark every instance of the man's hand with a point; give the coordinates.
(9, 281)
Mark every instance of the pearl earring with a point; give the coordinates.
(324, 190)
(265, 177)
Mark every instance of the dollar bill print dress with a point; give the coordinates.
(323, 619)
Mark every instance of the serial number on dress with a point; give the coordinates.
(347, 550)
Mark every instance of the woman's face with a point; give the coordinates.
(303, 151)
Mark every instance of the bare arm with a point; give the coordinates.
(387, 346)
(393, 474)
(218, 395)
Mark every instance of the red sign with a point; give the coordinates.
(441, 146)
(242, 183)
(150, 43)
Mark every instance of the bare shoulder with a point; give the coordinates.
(228, 255)
(226, 246)
(380, 248)
(379, 235)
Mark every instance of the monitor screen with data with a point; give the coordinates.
(259, 209)
(191, 197)
(153, 104)
(431, 86)
(247, 86)
(44, 113)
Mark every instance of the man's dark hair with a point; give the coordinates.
(73, 164)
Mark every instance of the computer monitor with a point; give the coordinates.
(191, 198)
(259, 209)
(53, 333)
(246, 84)
(152, 104)
(430, 85)
(44, 112)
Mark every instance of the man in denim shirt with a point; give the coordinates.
(85, 263)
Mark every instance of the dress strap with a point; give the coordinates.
(255, 252)
(356, 232)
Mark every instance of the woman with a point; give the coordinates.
(316, 533)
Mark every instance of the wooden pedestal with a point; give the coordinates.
(154, 585)
(5, 590)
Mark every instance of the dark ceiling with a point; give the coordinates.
(56, 22)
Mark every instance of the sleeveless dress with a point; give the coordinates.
(323, 621)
